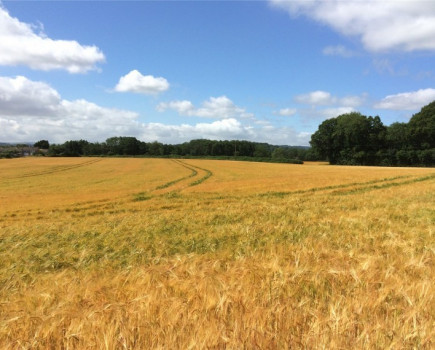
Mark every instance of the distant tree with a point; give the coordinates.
(397, 136)
(94, 149)
(279, 153)
(376, 140)
(74, 148)
(156, 149)
(200, 147)
(129, 145)
(350, 138)
(262, 150)
(113, 145)
(245, 148)
(422, 128)
(43, 144)
(322, 141)
(56, 150)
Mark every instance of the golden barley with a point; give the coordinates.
(153, 253)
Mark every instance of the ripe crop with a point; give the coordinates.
(159, 253)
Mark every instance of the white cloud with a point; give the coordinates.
(218, 130)
(32, 110)
(407, 100)
(286, 112)
(143, 84)
(334, 112)
(316, 98)
(324, 98)
(338, 50)
(20, 45)
(215, 107)
(320, 105)
(182, 107)
(23, 97)
(226, 129)
(312, 116)
(380, 25)
(352, 101)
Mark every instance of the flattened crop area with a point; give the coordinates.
(165, 253)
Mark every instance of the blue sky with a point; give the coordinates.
(267, 71)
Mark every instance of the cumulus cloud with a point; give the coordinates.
(20, 45)
(324, 98)
(323, 105)
(33, 110)
(142, 84)
(352, 101)
(215, 107)
(380, 25)
(316, 98)
(22, 97)
(312, 116)
(413, 100)
(286, 112)
(225, 129)
(182, 107)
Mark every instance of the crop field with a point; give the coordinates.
(131, 253)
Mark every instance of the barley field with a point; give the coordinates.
(119, 253)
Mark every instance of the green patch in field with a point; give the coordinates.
(385, 185)
(172, 195)
(142, 196)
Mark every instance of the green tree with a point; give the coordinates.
(262, 150)
(113, 145)
(129, 145)
(397, 136)
(350, 138)
(422, 128)
(279, 153)
(156, 149)
(322, 141)
(74, 148)
(43, 144)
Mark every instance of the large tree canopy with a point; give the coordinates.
(353, 138)
(349, 139)
(422, 128)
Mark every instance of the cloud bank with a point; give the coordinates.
(324, 98)
(215, 107)
(380, 25)
(33, 110)
(413, 100)
(20, 45)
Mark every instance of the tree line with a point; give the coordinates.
(130, 146)
(349, 139)
(355, 139)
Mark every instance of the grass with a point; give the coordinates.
(254, 256)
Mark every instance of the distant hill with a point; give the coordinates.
(3, 144)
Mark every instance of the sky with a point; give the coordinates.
(173, 71)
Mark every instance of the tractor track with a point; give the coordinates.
(55, 170)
